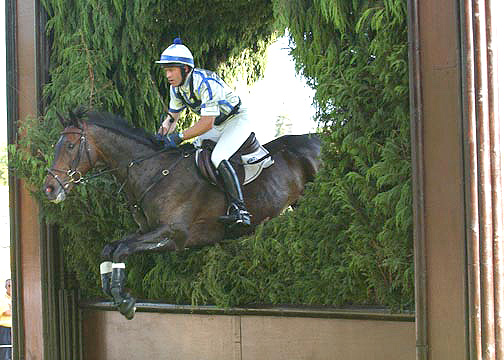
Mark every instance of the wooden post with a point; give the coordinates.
(457, 157)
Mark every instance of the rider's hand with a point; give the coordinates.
(170, 141)
(176, 138)
(166, 126)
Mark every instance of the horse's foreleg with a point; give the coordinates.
(106, 266)
(165, 238)
(114, 274)
(124, 301)
(113, 278)
(108, 249)
(106, 276)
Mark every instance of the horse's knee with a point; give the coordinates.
(121, 252)
(108, 251)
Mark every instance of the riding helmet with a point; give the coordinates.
(176, 54)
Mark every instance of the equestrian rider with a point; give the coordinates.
(223, 119)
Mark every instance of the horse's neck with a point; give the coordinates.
(118, 151)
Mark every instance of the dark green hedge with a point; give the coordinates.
(350, 239)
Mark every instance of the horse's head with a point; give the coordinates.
(73, 157)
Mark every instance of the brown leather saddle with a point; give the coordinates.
(248, 161)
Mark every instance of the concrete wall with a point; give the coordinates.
(152, 336)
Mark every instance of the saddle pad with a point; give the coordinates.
(248, 161)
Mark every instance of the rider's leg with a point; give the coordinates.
(237, 213)
(234, 132)
(212, 134)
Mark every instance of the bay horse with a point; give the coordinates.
(174, 206)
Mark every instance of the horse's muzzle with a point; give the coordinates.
(54, 194)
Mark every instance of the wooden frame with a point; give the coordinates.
(459, 271)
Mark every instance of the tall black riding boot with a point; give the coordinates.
(236, 212)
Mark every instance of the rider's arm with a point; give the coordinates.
(204, 124)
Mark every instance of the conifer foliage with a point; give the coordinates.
(103, 51)
(349, 240)
(355, 53)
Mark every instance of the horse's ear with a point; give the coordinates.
(62, 120)
(71, 117)
(74, 119)
(77, 117)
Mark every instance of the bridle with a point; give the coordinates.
(74, 175)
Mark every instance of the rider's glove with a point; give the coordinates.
(177, 138)
(170, 141)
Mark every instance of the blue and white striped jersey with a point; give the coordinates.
(204, 93)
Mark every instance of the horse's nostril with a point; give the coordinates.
(49, 190)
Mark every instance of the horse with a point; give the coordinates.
(173, 205)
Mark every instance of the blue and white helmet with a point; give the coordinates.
(176, 53)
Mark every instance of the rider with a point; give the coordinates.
(223, 119)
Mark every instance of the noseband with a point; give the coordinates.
(74, 175)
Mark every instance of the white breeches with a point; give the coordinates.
(229, 136)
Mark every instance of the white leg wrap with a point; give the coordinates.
(106, 267)
(118, 266)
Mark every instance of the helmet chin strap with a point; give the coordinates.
(184, 74)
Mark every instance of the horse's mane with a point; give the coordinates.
(116, 124)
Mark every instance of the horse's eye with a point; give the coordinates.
(71, 146)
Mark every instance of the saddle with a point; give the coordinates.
(248, 161)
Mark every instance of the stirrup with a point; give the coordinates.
(236, 215)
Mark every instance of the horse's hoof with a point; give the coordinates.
(127, 308)
(130, 314)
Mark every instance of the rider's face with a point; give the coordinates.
(174, 75)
